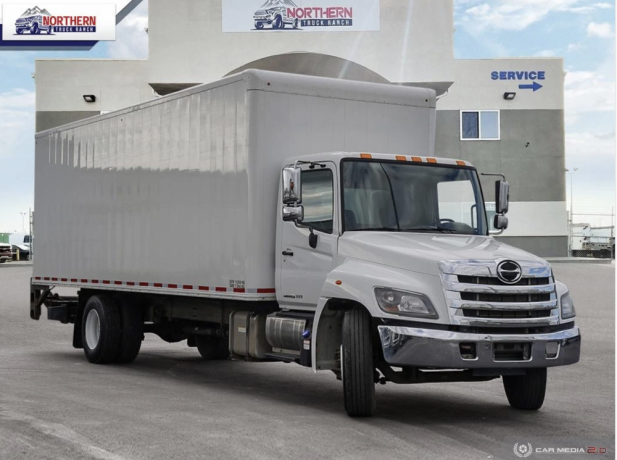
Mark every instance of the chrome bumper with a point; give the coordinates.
(408, 346)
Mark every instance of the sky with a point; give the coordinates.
(580, 31)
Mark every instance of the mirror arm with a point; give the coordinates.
(494, 174)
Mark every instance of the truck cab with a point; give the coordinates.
(404, 243)
(276, 18)
(33, 24)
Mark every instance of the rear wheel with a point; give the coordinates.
(357, 364)
(526, 392)
(211, 348)
(101, 333)
(132, 333)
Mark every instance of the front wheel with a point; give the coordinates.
(259, 25)
(357, 366)
(278, 23)
(20, 31)
(296, 24)
(526, 392)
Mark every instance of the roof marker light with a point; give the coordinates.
(401, 158)
(461, 163)
(431, 160)
(418, 159)
(366, 155)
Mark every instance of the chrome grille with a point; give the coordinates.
(477, 297)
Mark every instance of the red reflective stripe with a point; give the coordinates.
(37, 277)
(221, 289)
(106, 282)
(130, 283)
(117, 282)
(63, 279)
(84, 281)
(204, 288)
(95, 281)
(158, 284)
(239, 290)
(187, 286)
(73, 280)
(46, 278)
(266, 291)
(172, 286)
(54, 279)
(143, 283)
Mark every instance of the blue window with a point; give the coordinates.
(480, 125)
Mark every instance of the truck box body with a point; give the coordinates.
(179, 194)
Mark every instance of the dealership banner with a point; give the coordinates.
(69, 25)
(300, 15)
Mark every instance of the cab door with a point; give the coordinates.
(303, 269)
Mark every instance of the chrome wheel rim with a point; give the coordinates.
(93, 329)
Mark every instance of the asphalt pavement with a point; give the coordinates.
(171, 404)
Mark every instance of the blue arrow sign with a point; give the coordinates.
(535, 86)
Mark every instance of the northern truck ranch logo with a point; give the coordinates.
(35, 21)
(281, 14)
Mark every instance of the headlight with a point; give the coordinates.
(567, 306)
(405, 303)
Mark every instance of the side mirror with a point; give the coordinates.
(500, 222)
(292, 186)
(293, 213)
(502, 196)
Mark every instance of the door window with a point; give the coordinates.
(318, 199)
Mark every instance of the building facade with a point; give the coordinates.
(503, 115)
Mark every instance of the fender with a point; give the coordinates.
(353, 283)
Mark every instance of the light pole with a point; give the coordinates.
(23, 226)
(570, 230)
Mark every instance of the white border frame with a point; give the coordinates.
(498, 138)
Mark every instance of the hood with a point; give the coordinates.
(421, 252)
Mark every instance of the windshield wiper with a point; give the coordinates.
(376, 229)
(429, 228)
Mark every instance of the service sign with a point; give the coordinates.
(295, 16)
(59, 22)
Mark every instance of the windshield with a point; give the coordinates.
(400, 196)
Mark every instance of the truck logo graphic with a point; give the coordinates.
(277, 14)
(32, 21)
(36, 20)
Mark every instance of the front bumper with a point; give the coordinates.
(410, 346)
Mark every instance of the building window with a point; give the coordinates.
(480, 125)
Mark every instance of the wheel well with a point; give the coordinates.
(329, 332)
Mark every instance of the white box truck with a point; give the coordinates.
(317, 227)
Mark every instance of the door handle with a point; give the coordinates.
(288, 253)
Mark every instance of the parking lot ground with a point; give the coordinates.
(170, 404)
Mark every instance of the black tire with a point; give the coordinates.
(20, 31)
(132, 333)
(278, 23)
(259, 25)
(296, 24)
(357, 364)
(104, 348)
(35, 29)
(212, 348)
(49, 30)
(526, 392)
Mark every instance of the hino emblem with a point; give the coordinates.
(509, 272)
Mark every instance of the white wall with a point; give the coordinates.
(61, 84)
(415, 42)
(474, 88)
